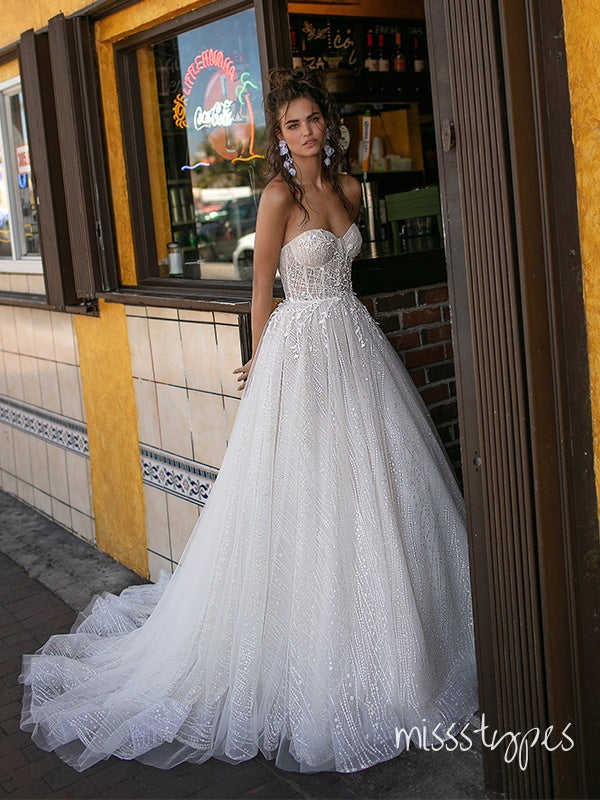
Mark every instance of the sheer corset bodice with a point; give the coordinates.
(317, 264)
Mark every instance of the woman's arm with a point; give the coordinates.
(271, 222)
(353, 193)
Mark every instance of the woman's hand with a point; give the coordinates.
(243, 372)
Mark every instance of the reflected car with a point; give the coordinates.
(219, 234)
(243, 255)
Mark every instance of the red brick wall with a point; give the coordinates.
(417, 323)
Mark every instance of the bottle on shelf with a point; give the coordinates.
(399, 62)
(418, 57)
(370, 58)
(383, 61)
(296, 56)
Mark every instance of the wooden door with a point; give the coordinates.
(510, 222)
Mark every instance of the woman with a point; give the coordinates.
(322, 603)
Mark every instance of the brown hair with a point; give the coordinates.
(288, 85)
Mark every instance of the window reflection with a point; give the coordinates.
(209, 94)
(5, 246)
(28, 233)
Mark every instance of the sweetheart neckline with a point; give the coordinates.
(323, 230)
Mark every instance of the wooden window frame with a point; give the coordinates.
(69, 167)
(274, 50)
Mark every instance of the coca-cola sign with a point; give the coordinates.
(220, 104)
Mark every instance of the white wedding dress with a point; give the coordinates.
(323, 600)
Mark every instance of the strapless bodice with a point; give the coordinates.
(318, 264)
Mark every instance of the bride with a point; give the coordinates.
(322, 603)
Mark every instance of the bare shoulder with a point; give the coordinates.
(352, 191)
(274, 211)
(276, 196)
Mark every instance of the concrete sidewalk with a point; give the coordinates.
(46, 576)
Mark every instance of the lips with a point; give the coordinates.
(310, 143)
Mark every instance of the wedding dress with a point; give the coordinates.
(323, 599)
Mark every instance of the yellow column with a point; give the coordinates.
(111, 415)
(582, 32)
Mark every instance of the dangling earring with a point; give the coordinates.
(284, 152)
(328, 150)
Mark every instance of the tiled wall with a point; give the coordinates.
(43, 439)
(23, 283)
(187, 401)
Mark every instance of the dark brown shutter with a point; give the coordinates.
(38, 92)
(84, 168)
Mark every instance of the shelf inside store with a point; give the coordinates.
(385, 89)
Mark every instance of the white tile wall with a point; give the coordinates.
(57, 466)
(7, 449)
(50, 390)
(167, 355)
(228, 344)
(78, 482)
(30, 375)
(39, 365)
(44, 337)
(35, 284)
(156, 563)
(147, 412)
(231, 408)
(8, 328)
(209, 429)
(139, 345)
(24, 329)
(187, 401)
(157, 521)
(22, 282)
(69, 383)
(174, 419)
(22, 455)
(25, 491)
(14, 379)
(183, 516)
(40, 470)
(200, 357)
(3, 385)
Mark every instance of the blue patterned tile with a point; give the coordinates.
(62, 431)
(179, 476)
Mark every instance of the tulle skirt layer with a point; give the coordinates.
(322, 603)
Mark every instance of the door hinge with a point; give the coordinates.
(448, 135)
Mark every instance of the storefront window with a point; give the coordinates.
(19, 235)
(204, 127)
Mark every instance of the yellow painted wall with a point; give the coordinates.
(9, 70)
(582, 32)
(111, 414)
(19, 17)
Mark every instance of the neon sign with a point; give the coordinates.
(226, 108)
(207, 58)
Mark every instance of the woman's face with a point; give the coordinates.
(302, 125)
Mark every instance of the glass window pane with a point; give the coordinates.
(5, 246)
(28, 232)
(210, 121)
